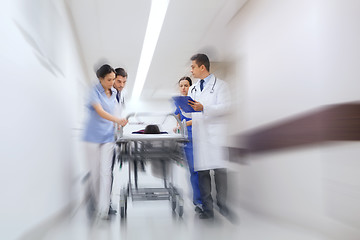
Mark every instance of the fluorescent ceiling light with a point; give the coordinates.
(155, 22)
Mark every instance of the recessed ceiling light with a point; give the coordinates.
(155, 22)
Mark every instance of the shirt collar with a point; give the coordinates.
(207, 79)
(101, 89)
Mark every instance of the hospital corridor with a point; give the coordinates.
(180, 119)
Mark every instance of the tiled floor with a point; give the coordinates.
(155, 220)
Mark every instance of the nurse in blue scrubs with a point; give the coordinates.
(184, 85)
(99, 138)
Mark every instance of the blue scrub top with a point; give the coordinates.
(98, 129)
(182, 117)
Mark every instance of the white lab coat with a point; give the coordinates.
(119, 110)
(209, 126)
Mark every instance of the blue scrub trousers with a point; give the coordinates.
(194, 178)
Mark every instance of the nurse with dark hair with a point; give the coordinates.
(184, 85)
(99, 138)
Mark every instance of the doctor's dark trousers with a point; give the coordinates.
(220, 177)
(194, 179)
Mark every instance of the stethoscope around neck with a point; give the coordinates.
(212, 88)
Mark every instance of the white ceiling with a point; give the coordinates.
(112, 31)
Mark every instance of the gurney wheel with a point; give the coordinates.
(123, 203)
(181, 210)
(122, 212)
(173, 203)
(180, 206)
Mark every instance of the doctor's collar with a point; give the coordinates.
(208, 77)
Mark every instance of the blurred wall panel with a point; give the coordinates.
(293, 57)
(42, 103)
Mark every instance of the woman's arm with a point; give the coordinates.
(102, 113)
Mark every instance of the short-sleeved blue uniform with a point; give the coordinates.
(98, 129)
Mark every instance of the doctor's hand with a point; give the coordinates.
(196, 105)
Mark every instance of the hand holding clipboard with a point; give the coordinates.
(187, 104)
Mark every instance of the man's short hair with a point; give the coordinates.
(201, 59)
(121, 72)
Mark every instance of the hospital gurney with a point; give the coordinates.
(139, 148)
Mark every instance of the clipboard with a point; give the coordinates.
(182, 102)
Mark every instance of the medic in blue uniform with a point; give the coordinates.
(184, 85)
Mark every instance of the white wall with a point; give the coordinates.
(294, 56)
(291, 57)
(41, 104)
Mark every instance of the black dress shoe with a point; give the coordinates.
(112, 211)
(198, 209)
(206, 215)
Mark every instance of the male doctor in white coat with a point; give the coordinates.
(119, 85)
(212, 101)
(119, 111)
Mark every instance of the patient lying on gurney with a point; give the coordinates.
(152, 129)
(149, 129)
(157, 166)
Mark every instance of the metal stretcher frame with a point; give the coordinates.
(135, 148)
